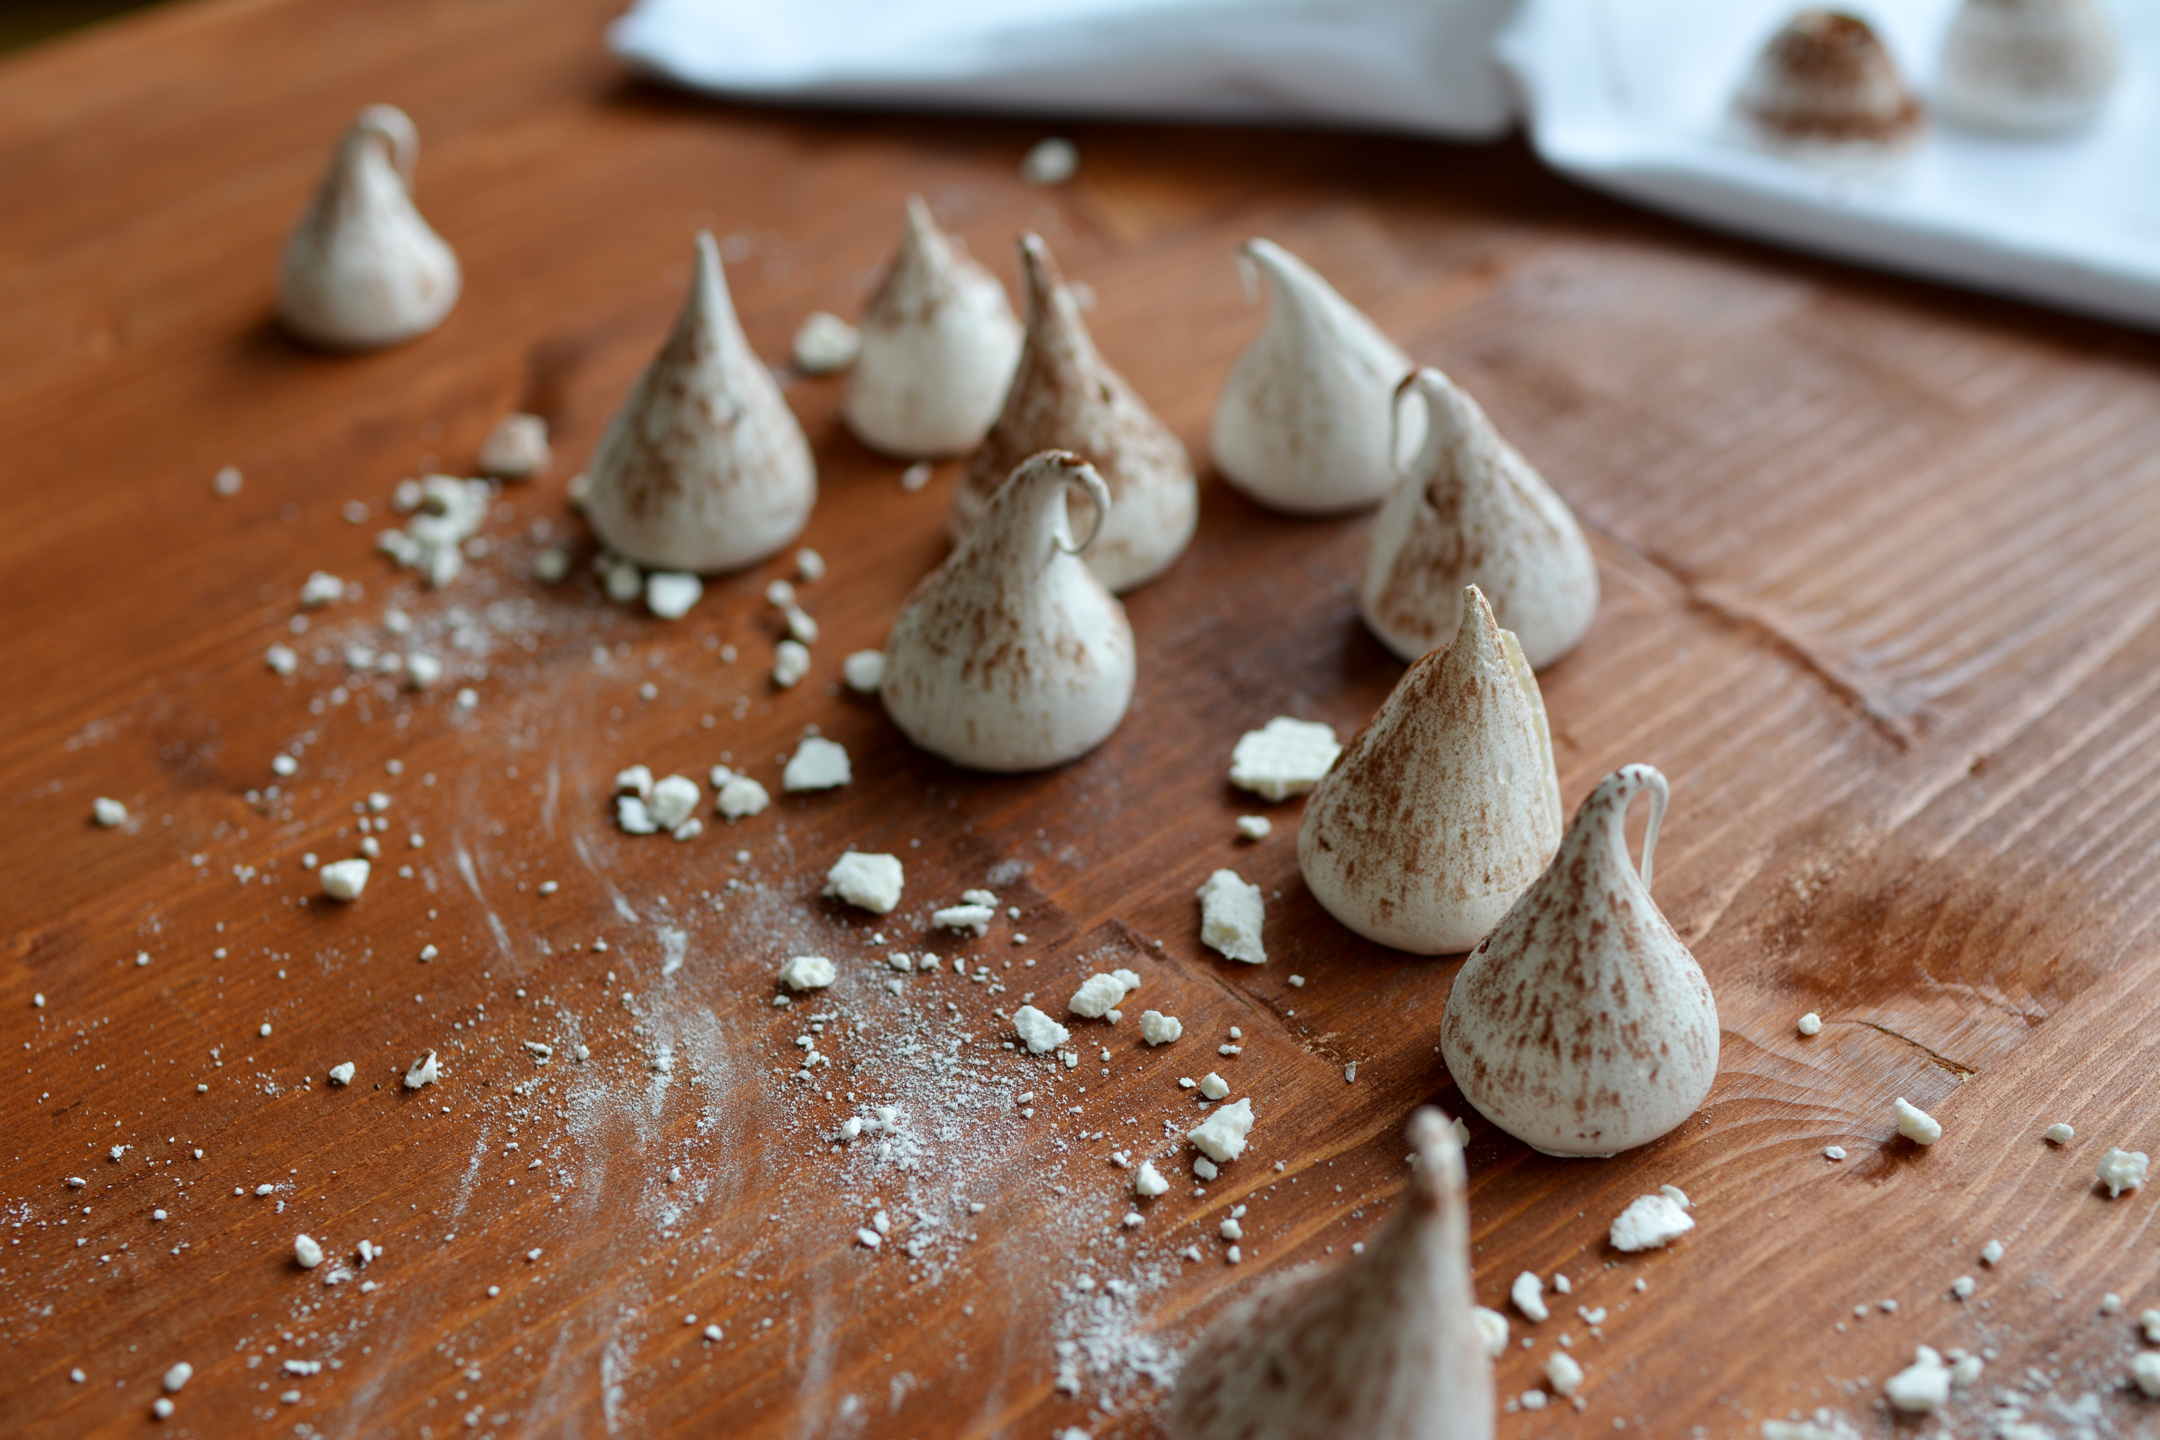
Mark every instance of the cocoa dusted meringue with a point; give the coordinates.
(1582, 1026)
(363, 270)
(1445, 807)
(1304, 424)
(1471, 511)
(2027, 67)
(1011, 655)
(1063, 397)
(938, 346)
(1826, 87)
(1385, 1346)
(704, 467)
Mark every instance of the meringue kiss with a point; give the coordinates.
(1012, 655)
(1063, 397)
(1471, 511)
(2027, 67)
(363, 270)
(1582, 1026)
(1304, 424)
(1445, 807)
(1825, 87)
(1385, 1346)
(704, 467)
(939, 342)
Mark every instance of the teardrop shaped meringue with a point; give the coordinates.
(939, 343)
(1471, 511)
(1825, 86)
(1385, 1346)
(704, 467)
(1582, 1026)
(362, 269)
(1304, 421)
(1063, 397)
(1011, 655)
(2027, 67)
(1446, 806)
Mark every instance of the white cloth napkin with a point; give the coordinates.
(1418, 65)
(1626, 95)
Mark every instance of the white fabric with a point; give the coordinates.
(1626, 95)
(1630, 96)
(1423, 66)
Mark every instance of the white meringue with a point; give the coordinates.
(1445, 807)
(1471, 511)
(704, 467)
(937, 349)
(362, 269)
(1063, 397)
(1304, 424)
(1011, 655)
(2027, 67)
(1385, 1346)
(1825, 89)
(1582, 1026)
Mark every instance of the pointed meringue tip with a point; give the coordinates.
(1438, 1155)
(918, 214)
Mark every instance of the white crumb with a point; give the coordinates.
(868, 882)
(1038, 1031)
(791, 661)
(1285, 757)
(108, 812)
(422, 1071)
(2122, 1170)
(342, 1074)
(1492, 1328)
(306, 1252)
(1214, 1086)
(864, 671)
(1222, 1135)
(1649, 1222)
(735, 795)
(1921, 1388)
(1052, 161)
(1149, 1181)
(824, 343)
(1916, 1124)
(808, 972)
(1231, 913)
(975, 919)
(1528, 1293)
(1101, 993)
(1254, 827)
(1811, 1024)
(670, 594)
(2060, 1133)
(344, 879)
(1159, 1029)
(516, 449)
(818, 764)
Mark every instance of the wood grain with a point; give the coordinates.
(1881, 599)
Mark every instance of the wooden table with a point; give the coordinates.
(1882, 577)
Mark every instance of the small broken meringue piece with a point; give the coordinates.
(808, 972)
(868, 882)
(1231, 915)
(1470, 510)
(1012, 655)
(1922, 1387)
(1284, 757)
(825, 343)
(1825, 89)
(423, 1071)
(2122, 1170)
(938, 345)
(1650, 1222)
(1101, 993)
(1916, 1124)
(1304, 422)
(1063, 396)
(516, 449)
(703, 468)
(2027, 67)
(363, 269)
(817, 764)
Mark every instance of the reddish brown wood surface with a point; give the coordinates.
(1881, 598)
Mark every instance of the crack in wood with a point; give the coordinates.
(1758, 626)
(1963, 1071)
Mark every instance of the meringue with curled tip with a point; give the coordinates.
(1582, 1026)
(1446, 806)
(704, 468)
(1384, 1346)
(2027, 67)
(1012, 655)
(1064, 397)
(1470, 510)
(363, 269)
(938, 347)
(1825, 90)
(1304, 422)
